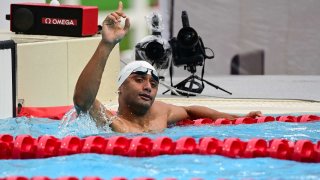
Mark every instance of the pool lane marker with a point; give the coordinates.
(46, 146)
(248, 120)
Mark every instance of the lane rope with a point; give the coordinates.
(248, 120)
(27, 147)
(84, 178)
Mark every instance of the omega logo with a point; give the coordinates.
(59, 21)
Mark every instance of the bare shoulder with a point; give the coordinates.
(166, 107)
(100, 113)
(161, 106)
(160, 103)
(174, 112)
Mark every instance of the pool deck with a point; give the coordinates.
(272, 94)
(242, 106)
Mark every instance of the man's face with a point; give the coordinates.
(139, 90)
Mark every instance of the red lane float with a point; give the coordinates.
(140, 147)
(185, 122)
(24, 147)
(279, 149)
(307, 118)
(264, 119)
(203, 121)
(287, 118)
(185, 145)
(248, 120)
(47, 146)
(94, 144)
(317, 148)
(232, 147)
(162, 145)
(92, 178)
(245, 120)
(222, 121)
(40, 178)
(67, 178)
(27, 147)
(117, 145)
(6, 146)
(16, 178)
(209, 145)
(71, 145)
(304, 151)
(256, 148)
(76, 178)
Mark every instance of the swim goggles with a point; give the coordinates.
(144, 71)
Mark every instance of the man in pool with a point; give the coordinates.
(138, 82)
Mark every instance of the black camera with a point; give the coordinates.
(154, 48)
(187, 47)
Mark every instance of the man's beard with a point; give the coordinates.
(140, 108)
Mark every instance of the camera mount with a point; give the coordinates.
(193, 84)
(188, 50)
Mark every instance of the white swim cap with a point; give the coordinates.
(130, 67)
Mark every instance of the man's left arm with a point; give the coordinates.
(177, 113)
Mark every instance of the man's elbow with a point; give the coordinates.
(80, 104)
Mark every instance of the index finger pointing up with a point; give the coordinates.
(120, 6)
(119, 11)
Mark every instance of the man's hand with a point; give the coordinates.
(112, 32)
(254, 114)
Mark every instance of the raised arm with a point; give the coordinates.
(177, 113)
(89, 80)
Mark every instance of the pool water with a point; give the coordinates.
(164, 166)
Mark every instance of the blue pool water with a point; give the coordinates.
(160, 167)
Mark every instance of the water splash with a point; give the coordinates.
(22, 126)
(79, 125)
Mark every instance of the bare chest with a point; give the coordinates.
(152, 124)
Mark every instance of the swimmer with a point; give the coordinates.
(138, 82)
